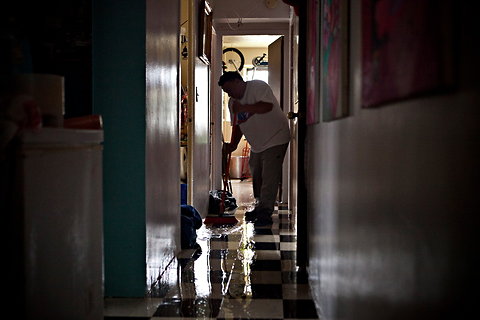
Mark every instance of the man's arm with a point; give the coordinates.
(258, 107)
(234, 140)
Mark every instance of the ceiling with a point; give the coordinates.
(249, 41)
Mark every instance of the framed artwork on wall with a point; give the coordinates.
(406, 49)
(334, 53)
(313, 12)
(205, 32)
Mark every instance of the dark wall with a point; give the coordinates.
(392, 194)
(52, 37)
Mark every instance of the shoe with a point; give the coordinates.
(264, 217)
(263, 222)
(251, 215)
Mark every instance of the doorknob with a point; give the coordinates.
(292, 115)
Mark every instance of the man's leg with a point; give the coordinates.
(272, 160)
(255, 164)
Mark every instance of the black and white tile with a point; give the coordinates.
(242, 272)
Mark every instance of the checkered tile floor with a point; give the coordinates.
(242, 272)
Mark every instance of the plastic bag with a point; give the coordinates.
(221, 201)
(190, 222)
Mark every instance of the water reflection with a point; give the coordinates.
(240, 283)
(222, 267)
(203, 286)
(236, 269)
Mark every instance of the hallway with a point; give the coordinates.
(242, 272)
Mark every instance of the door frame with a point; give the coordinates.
(223, 29)
(302, 217)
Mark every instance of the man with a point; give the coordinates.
(256, 113)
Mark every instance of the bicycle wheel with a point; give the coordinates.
(232, 59)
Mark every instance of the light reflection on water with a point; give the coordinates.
(217, 280)
(236, 257)
(240, 283)
(203, 286)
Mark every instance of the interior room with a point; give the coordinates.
(118, 201)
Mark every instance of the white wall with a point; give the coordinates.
(199, 147)
(162, 155)
(201, 140)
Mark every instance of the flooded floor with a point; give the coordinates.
(239, 272)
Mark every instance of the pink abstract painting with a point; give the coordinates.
(404, 49)
(312, 61)
(334, 63)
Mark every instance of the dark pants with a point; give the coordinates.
(266, 170)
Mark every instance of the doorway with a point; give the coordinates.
(255, 57)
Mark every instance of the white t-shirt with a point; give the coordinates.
(262, 130)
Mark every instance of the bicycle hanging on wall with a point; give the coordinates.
(232, 60)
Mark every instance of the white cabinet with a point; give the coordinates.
(59, 176)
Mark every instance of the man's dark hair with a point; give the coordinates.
(228, 76)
